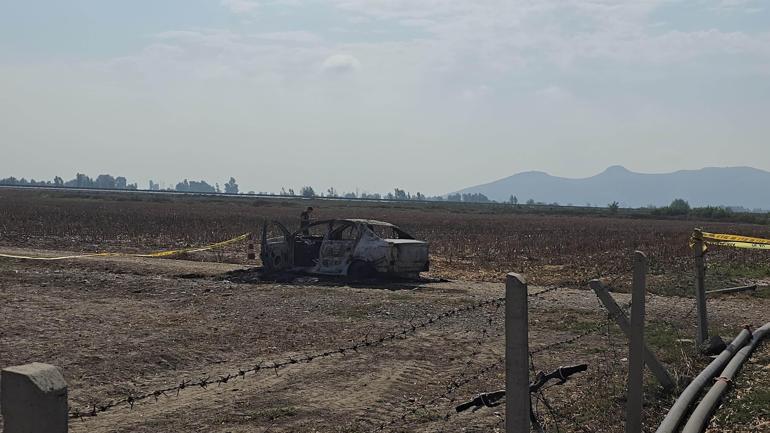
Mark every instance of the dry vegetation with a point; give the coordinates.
(473, 242)
(125, 325)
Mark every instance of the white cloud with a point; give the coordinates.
(340, 64)
(249, 6)
(241, 6)
(554, 93)
(476, 92)
(742, 5)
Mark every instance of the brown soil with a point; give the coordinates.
(127, 325)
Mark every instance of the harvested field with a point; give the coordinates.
(121, 326)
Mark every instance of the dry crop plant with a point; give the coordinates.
(470, 242)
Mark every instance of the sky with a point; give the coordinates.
(367, 95)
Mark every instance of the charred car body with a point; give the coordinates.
(353, 247)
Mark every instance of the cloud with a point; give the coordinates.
(554, 93)
(744, 5)
(475, 92)
(241, 6)
(340, 64)
(249, 6)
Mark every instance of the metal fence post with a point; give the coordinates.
(700, 289)
(636, 346)
(33, 399)
(516, 355)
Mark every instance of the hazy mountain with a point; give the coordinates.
(729, 186)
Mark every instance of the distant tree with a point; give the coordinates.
(454, 197)
(105, 181)
(307, 191)
(331, 192)
(679, 207)
(120, 182)
(58, 181)
(350, 195)
(194, 186)
(513, 199)
(530, 202)
(231, 187)
(419, 196)
(390, 196)
(154, 186)
(400, 194)
(80, 181)
(713, 212)
(613, 207)
(475, 198)
(291, 191)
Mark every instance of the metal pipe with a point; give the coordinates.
(674, 416)
(702, 413)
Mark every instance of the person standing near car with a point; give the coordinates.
(304, 220)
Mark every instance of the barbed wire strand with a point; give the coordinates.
(131, 399)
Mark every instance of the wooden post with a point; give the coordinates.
(636, 347)
(516, 355)
(250, 254)
(650, 360)
(702, 333)
(33, 399)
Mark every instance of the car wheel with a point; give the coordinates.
(361, 269)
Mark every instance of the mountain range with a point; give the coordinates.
(713, 186)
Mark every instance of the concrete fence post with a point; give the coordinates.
(702, 333)
(516, 355)
(636, 346)
(33, 399)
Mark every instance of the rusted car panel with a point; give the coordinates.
(345, 247)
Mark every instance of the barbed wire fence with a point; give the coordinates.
(473, 369)
(275, 365)
(449, 396)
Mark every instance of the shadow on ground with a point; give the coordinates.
(259, 275)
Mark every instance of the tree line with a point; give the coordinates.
(103, 181)
(397, 194)
(107, 181)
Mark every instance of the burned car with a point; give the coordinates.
(355, 247)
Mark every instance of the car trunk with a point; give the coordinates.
(409, 255)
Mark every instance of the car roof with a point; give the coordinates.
(353, 221)
(370, 222)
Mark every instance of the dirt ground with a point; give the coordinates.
(118, 326)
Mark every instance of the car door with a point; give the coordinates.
(275, 248)
(337, 248)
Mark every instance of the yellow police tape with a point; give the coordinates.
(165, 253)
(735, 241)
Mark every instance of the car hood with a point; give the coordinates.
(405, 242)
